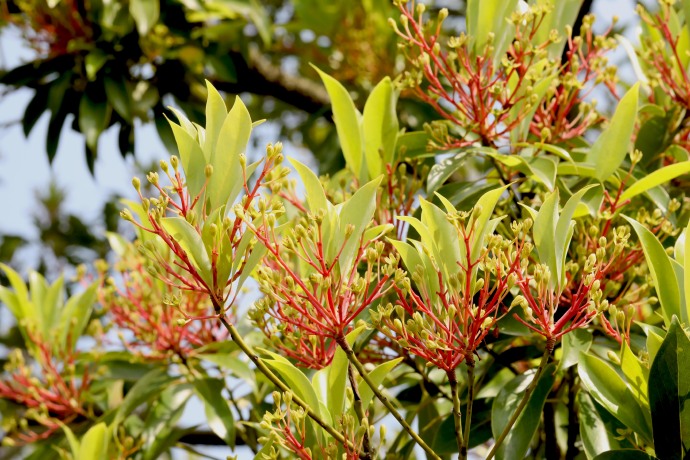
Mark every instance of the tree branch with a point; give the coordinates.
(257, 75)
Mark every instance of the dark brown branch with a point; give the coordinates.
(258, 75)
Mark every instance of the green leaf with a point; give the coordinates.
(239, 368)
(574, 342)
(669, 395)
(159, 432)
(655, 178)
(145, 14)
(93, 119)
(517, 442)
(377, 376)
(625, 454)
(93, 62)
(636, 376)
(686, 270)
(440, 172)
(71, 439)
(75, 316)
(380, 127)
(337, 376)
(144, 390)
(358, 210)
(227, 181)
(597, 427)
(192, 158)
(190, 241)
(294, 378)
(660, 268)
(94, 444)
(608, 389)
(347, 122)
(316, 197)
(486, 17)
(218, 414)
(216, 114)
(609, 150)
(119, 97)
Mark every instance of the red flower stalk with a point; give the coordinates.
(563, 114)
(471, 91)
(162, 320)
(50, 30)
(288, 427)
(310, 301)
(57, 395)
(182, 270)
(448, 322)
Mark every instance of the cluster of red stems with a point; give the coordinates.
(471, 90)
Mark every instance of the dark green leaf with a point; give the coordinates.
(517, 442)
(669, 395)
(218, 414)
(624, 454)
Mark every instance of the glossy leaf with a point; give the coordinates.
(516, 444)
(660, 268)
(440, 172)
(597, 427)
(669, 395)
(218, 414)
(625, 454)
(190, 241)
(380, 127)
(145, 389)
(227, 180)
(94, 444)
(358, 211)
(655, 178)
(574, 342)
(608, 389)
(145, 14)
(609, 150)
(347, 122)
(377, 376)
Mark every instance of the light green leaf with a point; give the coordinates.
(609, 150)
(686, 270)
(316, 197)
(660, 268)
(486, 17)
(636, 376)
(574, 342)
(93, 62)
(94, 444)
(192, 158)
(218, 414)
(377, 376)
(145, 14)
(190, 241)
(294, 378)
(443, 239)
(347, 122)
(655, 178)
(337, 376)
(358, 210)
(608, 389)
(75, 316)
(380, 127)
(227, 181)
(216, 114)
